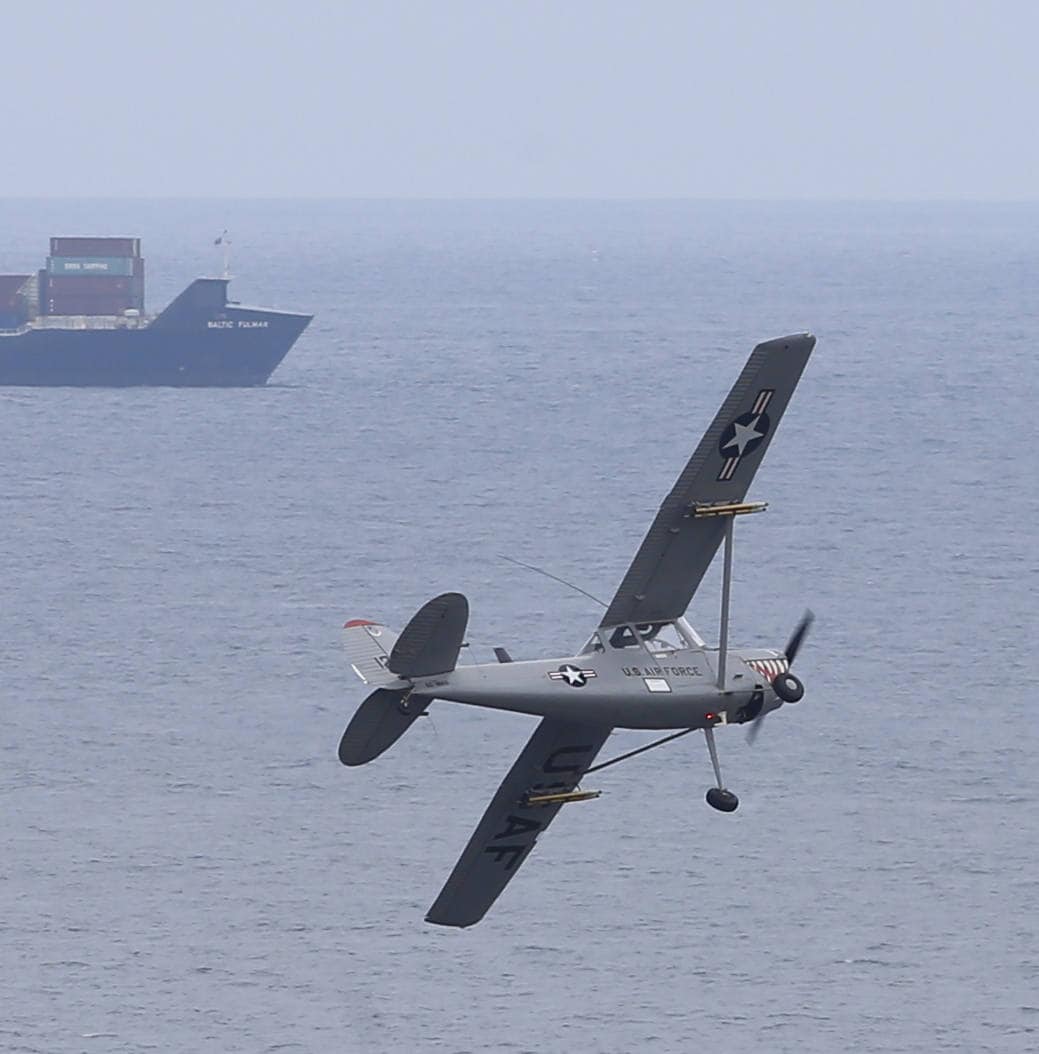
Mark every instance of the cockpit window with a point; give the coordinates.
(594, 645)
(659, 637)
(623, 637)
(665, 639)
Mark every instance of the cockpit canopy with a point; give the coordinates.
(660, 639)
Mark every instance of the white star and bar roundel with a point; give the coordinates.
(573, 675)
(744, 435)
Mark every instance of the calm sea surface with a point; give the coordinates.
(184, 865)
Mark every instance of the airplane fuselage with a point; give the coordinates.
(643, 667)
(629, 689)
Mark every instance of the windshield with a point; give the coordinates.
(659, 637)
(666, 638)
(594, 644)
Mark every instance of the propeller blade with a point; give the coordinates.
(755, 729)
(793, 646)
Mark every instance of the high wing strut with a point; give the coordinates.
(639, 750)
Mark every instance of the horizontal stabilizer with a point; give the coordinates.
(379, 722)
(368, 646)
(431, 641)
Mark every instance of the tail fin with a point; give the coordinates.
(430, 642)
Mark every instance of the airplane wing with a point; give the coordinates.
(554, 760)
(678, 549)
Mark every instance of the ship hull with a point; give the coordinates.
(239, 352)
(201, 340)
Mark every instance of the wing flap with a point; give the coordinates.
(554, 759)
(678, 549)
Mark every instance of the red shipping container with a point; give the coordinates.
(95, 247)
(11, 290)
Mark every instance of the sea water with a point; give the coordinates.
(184, 865)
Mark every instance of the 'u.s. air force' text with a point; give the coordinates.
(661, 671)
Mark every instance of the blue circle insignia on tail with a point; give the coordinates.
(744, 435)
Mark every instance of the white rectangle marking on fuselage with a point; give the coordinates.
(657, 684)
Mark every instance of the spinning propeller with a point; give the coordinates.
(786, 685)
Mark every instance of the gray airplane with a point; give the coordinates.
(643, 667)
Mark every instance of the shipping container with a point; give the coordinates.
(92, 294)
(93, 298)
(88, 285)
(12, 291)
(137, 291)
(69, 305)
(95, 246)
(14, 300)
(91, 265)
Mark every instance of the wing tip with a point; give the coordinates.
(792, 342)
(451, 923)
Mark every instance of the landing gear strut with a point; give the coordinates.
(718, 797)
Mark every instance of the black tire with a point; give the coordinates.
(722, 800)
(788, 687)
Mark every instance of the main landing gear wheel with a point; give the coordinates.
(788, 687)
(718, 797)
(722, 800)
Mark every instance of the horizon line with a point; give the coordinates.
(612, 198)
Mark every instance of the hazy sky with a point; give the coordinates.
(515, 99)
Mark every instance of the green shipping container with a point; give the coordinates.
(90, 265)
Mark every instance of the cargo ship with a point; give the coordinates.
(81, 321)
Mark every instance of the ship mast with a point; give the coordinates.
(225, 241)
